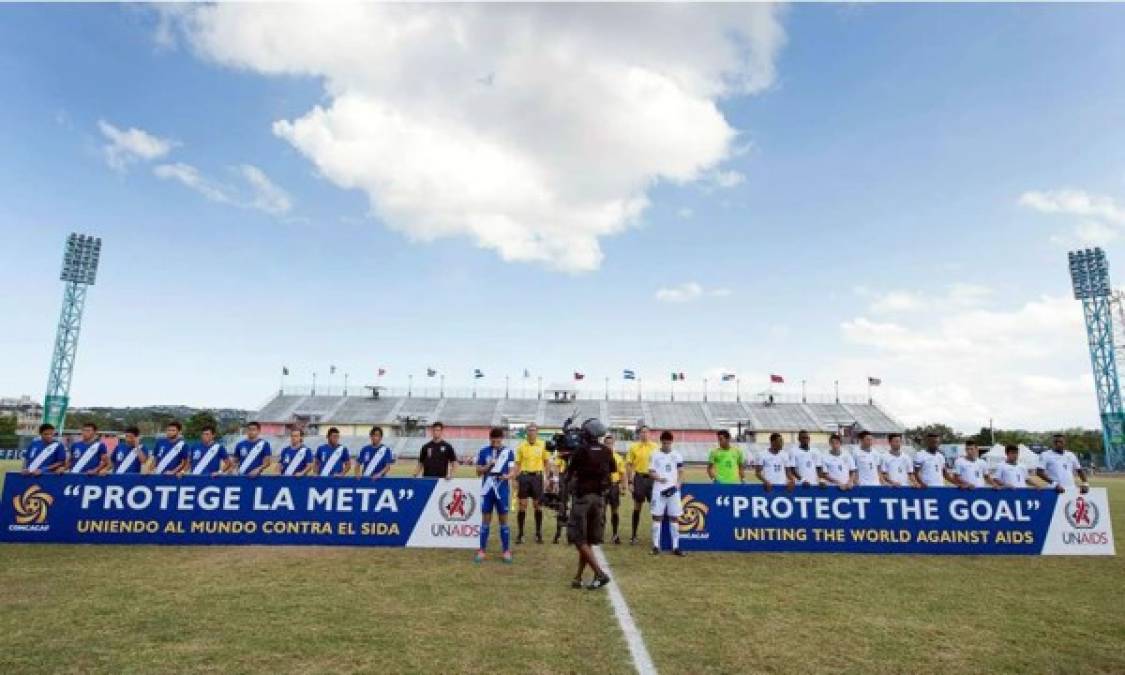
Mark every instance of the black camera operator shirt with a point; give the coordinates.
(590, 469)
(435, 458)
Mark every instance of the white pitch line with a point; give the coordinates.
(641, 659)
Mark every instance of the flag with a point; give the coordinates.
(777, 379)
(727, 377)
(285, 370)
(678, 377)
(382, 372)
(629, 374)
(874, 381)
(579, 376)
(477, 373)
(526, 373)
(331, 370)
(430, 372)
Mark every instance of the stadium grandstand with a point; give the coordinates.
(467, 419)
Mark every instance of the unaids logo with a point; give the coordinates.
(32, 505)
(1082, 514)
(457, 505)
(694, 518)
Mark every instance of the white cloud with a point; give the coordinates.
(685, 213)
(727, 179)
(689, 291)
(1102, 218)
(259, 193)
(958, 295)
(533, 130)
(127, 146)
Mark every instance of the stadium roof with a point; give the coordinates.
(477, 412)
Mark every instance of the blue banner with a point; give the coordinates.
(894, 520)
(148, 509)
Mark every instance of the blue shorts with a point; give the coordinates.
(490, 502)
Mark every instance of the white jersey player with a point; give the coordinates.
(971, 472)
(1010, 473)
(806, 461)
(895, 468)
(666, 468)
(1058, 466)
(837, 468)
(775, 466)
(929, 464)
(867, 462)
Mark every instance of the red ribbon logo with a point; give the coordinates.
(457, 504)
(1081, 512)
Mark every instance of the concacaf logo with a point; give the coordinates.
(694, 518)
(31, 506)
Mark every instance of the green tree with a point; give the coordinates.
(8, 437)
(194, 424)
(945, 432)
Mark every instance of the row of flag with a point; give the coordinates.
(627, 374)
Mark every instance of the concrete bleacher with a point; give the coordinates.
(554, 414)
(469, 411)
(670, 415)
(358, 410)
(518, 410)
(782, 417)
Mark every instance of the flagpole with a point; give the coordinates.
(869, 399)
(441, 388)
(804, 399)
(281, 390)
(607, 387)
(314, 384)
(345, 385)
(837, 392)
(705, 389)
(505, 386)
(737, 390)
(409, 385)
(539, 387)
(639, 392)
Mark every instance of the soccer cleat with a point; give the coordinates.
(507, 558)
(480, 556)
(519, 539)
(616, 539)
(655, 551)
(598, 582)
(632, 541)
(678, 552)
(538, 539)
(577, 583)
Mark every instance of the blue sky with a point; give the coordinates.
(891, 194)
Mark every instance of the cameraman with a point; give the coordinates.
(588, 473)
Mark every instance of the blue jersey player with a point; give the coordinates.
(332, 459)
(170, 456)
(88, 455)
(129, 456)
(252, 454)
(45, 454)
(375, 460)
(296, 459)
(496, 465)
(209, 457)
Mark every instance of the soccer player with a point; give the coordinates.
(929, 465)
(296, 459)
(209, 457)
(725, 463)
(1058, 466)
(436, 459)
(556, 467)
(253, 454)
(130, 455)
(496, 464)
(637, 475)
(613, 496)
(170, 456)
(895, 468)
(775, 466)
(45, 454)
(667, 471)
(531, 454)
(806, 461)
(837, 467)
(333, 459)
(375, 459)
(1010, 473)
(971, 472)
(88, 455)
(867, 462)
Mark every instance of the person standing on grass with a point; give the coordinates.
(170, 456)
(613, 495)
(725, 463)
(88, 455)
(587, 474)
(1010, 473)
(806, 461)
(929, 465)
(375, 459)
(1058, 466)
(837, 467)
(971, 472)
(129, 456)
(332, 458)
(297, 458)
(209, 457)
(637, 474)
(867, 462)
(775, 466)
(252, 454)
(667, 470)
(895, 468)
(496, 465)
(45, 454)
(436, 459)
(531, 455)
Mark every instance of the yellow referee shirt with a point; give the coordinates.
(615, 477)
(639, 455)
(531, 456)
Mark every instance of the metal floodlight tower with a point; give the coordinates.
(1089, 274)
(79, 271)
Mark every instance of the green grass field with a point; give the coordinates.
(299, 610)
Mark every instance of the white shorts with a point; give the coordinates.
(666, 506)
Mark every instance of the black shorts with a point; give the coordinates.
(642, 488)
(531, 485)
(613, 497)
(587, 520)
